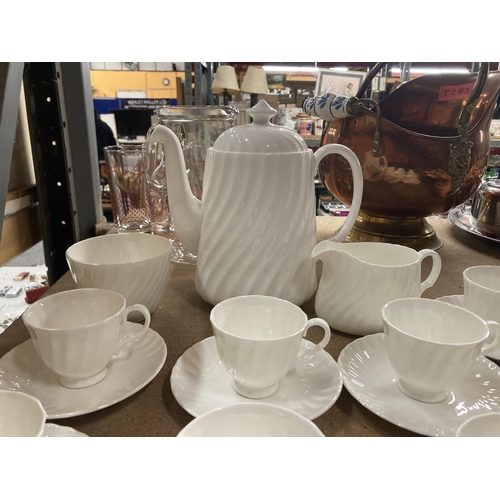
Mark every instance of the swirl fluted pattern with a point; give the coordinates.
(258, 239)
(358, 279)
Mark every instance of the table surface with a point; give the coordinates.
(183, 320)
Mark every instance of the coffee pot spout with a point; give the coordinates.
(184, 207)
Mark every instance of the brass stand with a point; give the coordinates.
(413, 232)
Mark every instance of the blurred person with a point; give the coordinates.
(105, 137)
(104, 134)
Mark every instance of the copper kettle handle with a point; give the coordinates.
(482, 75)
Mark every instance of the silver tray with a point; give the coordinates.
(460, 216)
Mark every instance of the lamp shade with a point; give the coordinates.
(225, 80)
(255, 81)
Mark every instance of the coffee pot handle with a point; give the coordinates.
(435, 271)
(357, 177)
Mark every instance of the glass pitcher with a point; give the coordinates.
(197, 128)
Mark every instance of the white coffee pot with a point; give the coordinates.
(254, 229)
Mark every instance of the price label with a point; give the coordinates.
(453, 92)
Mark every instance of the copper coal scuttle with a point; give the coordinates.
(424, 150)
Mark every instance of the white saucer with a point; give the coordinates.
(200, 382)
(135, 366)
(54, 430)
(458, 300)
(370, 379)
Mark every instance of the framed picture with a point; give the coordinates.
(340, 82)
(275, 81)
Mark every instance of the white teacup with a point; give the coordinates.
(21, 415)
(432, 344)
(254, 419)
(486, 425)
(258, 339)
(482, 291)
(358, 279)
(133, 264)
(76, 333)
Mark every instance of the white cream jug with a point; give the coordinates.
(358, 279)
(255, 227)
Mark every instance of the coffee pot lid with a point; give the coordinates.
(260, 136)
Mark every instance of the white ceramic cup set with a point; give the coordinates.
(430, 369)
(22, 415)
(482, 291)
(134, 265)
(481, 426)
(257, 419)
(77, 334)
(431, 344)
(259, 340)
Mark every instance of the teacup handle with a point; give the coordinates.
(357, 177)
(134, 337)
(309, 351)
(435, 271)
(488, 346)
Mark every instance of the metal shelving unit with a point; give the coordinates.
(197, 83)
(63, 143)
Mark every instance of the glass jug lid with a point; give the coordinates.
(260, 136)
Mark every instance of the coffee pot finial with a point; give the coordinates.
(261, 113)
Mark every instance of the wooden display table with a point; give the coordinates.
(183, 320)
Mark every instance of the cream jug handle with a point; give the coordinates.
(357, 177)
(436, 268)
